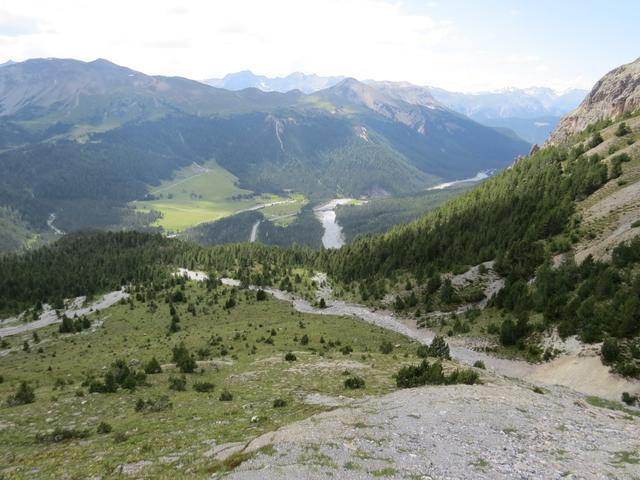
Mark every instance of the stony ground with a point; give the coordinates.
(500, 430)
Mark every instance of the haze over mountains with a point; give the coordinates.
(81, 140)
(531, 112)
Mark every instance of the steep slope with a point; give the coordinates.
(435, 139)
(617, 93)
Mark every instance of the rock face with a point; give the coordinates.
(499, 430)
(615, 93)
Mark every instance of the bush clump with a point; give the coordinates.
(203, 387)
(386, 347)
(153, 404)
(438, 349)
(179, 384)
(153, 367)
(290, 357)
(354, 383)
(226, 396)
(261, 295)
(183, 359)
(279, 403)
(61, 434)
(104, 428)
(346, 350)
(24, 395)
(118, 376)
(629, 399)
(479, 364)
(432, 374)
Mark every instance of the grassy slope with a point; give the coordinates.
(197, 419)
(216, 187)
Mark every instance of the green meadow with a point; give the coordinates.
(199, 194)
(240, 349)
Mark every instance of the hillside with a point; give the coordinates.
(532, 113)
(90, 142)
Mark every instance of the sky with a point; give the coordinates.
(462, 45)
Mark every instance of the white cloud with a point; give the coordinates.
(378, 39)
(358, 37)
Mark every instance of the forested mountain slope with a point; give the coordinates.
(82, 140)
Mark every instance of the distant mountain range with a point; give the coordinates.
(532, 113)
(294, 81)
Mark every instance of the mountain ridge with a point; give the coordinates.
(615, 94)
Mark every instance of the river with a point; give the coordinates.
(326, 213)
(483, 175)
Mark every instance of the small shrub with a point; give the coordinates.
(596, 139)
(261, 295)
(24, 395)
(629, 399)
(153, 367)
(346, 350)
(432, 374)
(354, 383)
(183, 359)
(465, 377)
(622, 130)
(610, 350)
(386, 347)
(304, 340)
(479, 364)
(179, 384)
(226, 396)
(493, 329)
(153, 404)
(439, 348)
(61, 434)
(203, 387)
(290, 357)
(104, 428)
(279, 403)
(422, 351)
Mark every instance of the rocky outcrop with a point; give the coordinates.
(616, 93)
(500, 430)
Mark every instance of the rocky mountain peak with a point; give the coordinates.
(616, 93)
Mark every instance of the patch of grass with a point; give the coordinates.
(604, 403)
(231, 462)
(352, 466)
(481, 463)
(384, 472)
(626, 456)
